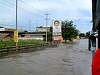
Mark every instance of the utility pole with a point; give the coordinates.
(16, 14)
(16, 32)
(46, 26)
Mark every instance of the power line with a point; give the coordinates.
(32, 7)
(11, 5)
(23, 2)
(10, 2)
(6, 4)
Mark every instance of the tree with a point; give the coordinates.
(87, 34)
(25, 31)
(69, 30)
(82, 35)
(49, 35)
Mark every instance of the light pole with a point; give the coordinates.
(16, 34)
(46, 27)
(16, 13)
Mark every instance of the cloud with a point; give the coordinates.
(60, 9)
(70, 8)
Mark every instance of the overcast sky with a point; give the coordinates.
(31, 13)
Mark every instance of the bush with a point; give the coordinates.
(10, 43)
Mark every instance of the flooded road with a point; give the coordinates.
(63, 60)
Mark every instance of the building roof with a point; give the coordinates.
(1, 27)
(32, 32)
(42, 27)
(6, 31)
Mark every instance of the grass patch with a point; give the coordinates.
(10, 43)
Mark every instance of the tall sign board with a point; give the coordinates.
(57, 32)
(56, 28)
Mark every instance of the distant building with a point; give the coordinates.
(6, 33)
(2, 29)
(6, 29)
(32, 35)
(42, 29)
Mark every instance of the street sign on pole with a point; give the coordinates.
(57, 32)
(56, 28)
(16, 36)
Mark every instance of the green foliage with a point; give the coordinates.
(10, 43)
(69, 30)
(87, 34)
(82, 35)
(4, 44)
(49, 34)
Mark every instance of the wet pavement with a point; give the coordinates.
(63, 60)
